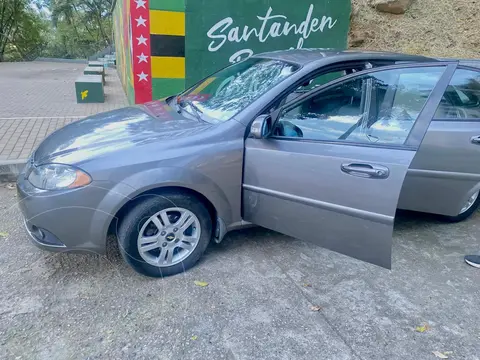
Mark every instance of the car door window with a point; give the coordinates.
(379, 107)
(324, 79)
(462, 97)
(318, 80)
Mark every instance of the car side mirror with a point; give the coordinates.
(261, 127)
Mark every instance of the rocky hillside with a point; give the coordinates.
(440, 28)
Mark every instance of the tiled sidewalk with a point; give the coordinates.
(18, 137)
(36, 98)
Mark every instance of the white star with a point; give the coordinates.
(140, 3)
(142, 40)
(142, 76)
(141, 21)
(142, 58)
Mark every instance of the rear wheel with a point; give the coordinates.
(467, 210)
(165, 234)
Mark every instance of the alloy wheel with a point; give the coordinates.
(169, 237)
(469, 202)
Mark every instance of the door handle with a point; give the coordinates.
(475, 139)
(366, 170)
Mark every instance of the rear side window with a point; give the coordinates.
(462, 97)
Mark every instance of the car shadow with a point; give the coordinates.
(410, 218)
(404, 220)
(238, 238)
(254, 236)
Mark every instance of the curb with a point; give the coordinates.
(9, 169)
(60, 60)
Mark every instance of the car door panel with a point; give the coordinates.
(351, 227)
(446, 170)
(337, 194)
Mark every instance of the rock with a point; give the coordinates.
(354, 13)
(391, 6)
(357, 38)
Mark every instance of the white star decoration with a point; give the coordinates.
(142, 58)
(142, 40)
(142, 76)
(140, 3)
(141, 21)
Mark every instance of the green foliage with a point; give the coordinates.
(21, 30)
(30, 39)
(53, 28)
(82, 27)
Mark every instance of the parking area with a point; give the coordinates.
(268, 297)
(36, 98)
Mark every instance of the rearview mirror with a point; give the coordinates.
(261, 127)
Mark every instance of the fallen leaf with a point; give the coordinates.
(307, 285)
(440, 354)
(315, 308)
(10, 186)
(422, 328)
(200, 283)
(194, 337)
(3, 234)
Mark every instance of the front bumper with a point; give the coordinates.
(42, 238)
(66, 220)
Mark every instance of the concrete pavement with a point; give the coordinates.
(36, 98)
(257, 305)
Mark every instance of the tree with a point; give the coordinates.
(21, 30)
(10, 14)
(54, 28)
(30, 38)
(82, 27)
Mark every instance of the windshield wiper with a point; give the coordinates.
(196, 111)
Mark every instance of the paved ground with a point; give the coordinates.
(37, 98)
(257, 303)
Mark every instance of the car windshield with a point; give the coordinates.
(227, 92)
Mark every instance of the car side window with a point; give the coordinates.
(462, 97)
(324, 78)
(379, 107)
(315, 82)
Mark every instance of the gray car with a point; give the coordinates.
(320, 145)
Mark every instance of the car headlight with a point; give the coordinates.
(57, 177)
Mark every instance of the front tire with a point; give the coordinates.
(164, 235)
(470, 207)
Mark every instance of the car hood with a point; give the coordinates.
(116, 130)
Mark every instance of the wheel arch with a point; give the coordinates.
(160, 180)
(159, 191)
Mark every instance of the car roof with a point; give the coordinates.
(475, 63)
(309, 56)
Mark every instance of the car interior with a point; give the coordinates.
(460, 104)
(363, 102)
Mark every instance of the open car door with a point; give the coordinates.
(329, 168)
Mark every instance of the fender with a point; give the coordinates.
(143, 181)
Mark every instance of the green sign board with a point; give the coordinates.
(220, 32)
